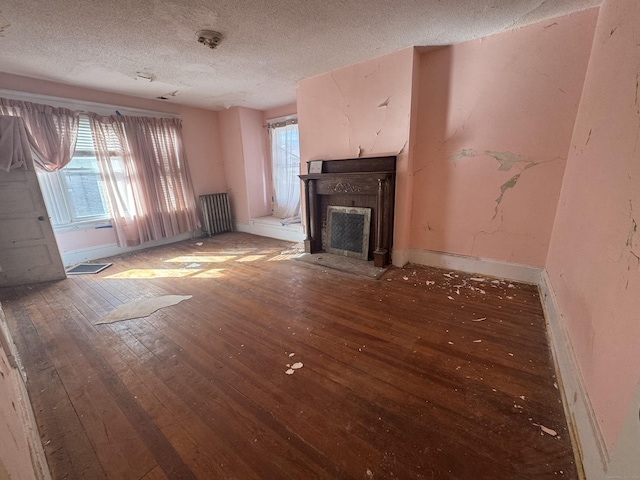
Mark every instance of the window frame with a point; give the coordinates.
(56, 189)
(272, 126)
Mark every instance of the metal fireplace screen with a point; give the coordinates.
(348, 231)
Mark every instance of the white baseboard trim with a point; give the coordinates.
(493, 268)
(586, 435)
(289, 233)
(102, 251)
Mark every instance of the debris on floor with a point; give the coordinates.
(141, 308)
(292, 368)
(546, 430)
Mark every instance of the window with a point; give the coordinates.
(74, 194)
(285, 168)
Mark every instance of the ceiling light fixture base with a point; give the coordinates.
(209, 38)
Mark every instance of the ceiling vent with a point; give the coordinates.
(209, 38)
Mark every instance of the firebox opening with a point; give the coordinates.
(348, 231)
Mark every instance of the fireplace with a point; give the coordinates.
(362, 188)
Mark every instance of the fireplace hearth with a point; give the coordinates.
(362, 184)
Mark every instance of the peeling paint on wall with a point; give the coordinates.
(507, 159)
(385, 103)
(503, 188)
(467, 152)
(632, 232)
(633, 229)
(634, 225)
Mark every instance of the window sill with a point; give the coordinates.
(88, 225)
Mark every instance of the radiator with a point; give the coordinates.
(216, 213)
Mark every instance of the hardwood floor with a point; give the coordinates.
(423, 374)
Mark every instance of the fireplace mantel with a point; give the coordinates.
(347, 180)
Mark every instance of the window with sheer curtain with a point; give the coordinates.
(285, 168)
(145, 177)
(134, 168)
(74, 194)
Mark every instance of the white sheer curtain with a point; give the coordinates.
(57, 207)
(285, 164)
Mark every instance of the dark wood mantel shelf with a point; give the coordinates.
(344, 179)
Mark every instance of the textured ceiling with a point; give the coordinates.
(267, 46)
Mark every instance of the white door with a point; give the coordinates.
(28, 249)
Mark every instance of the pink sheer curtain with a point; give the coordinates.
(146, 177)
(53, 131)
(14, 144)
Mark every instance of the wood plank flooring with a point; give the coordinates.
(422, 374)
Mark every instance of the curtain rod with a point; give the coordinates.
(290, 121)
(81, 105)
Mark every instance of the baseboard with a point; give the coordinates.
(102, 251)
(586, 435)
(483, 266)
(289, 233)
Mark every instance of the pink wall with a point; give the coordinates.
(594, 255)
(85, 238)
(254, 146)
(497, 114)
(230, 130)
(362, 110)
(244, 151)
(203, 146)
(281, 111)
(199, 130)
